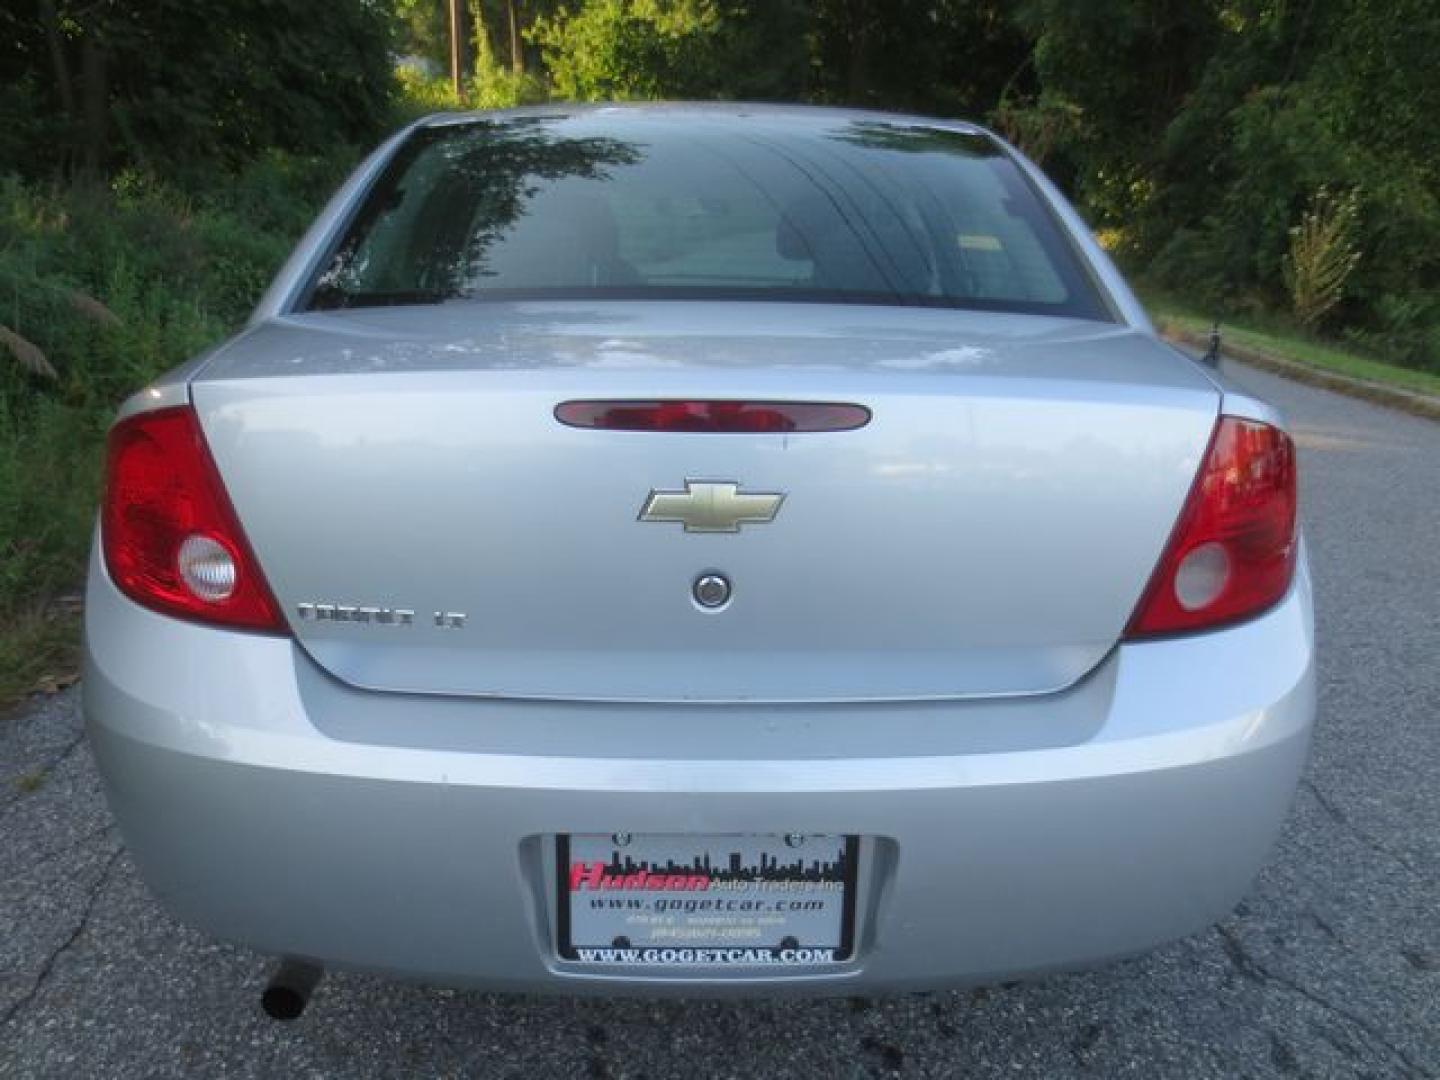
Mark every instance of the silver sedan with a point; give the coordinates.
(683, 549)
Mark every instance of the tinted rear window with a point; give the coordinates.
(686, 205)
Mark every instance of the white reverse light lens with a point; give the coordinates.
(1201, 576)
(206, 568)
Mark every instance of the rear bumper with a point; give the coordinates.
(267, 804)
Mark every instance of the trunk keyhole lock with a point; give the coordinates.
(712, 590)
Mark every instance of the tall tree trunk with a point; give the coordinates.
(517, 47)
(863, 23)
(94, 84)
(458, 49)
(60, 65)
(858, 69)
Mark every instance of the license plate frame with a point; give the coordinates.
(692, 929)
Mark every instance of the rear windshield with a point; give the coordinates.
(633, 205)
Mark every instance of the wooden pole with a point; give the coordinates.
(457, 45)
(517, 48)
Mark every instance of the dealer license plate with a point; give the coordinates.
(702, 901)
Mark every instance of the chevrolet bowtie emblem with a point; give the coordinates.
(711, 507)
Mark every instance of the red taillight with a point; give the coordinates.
(1232, 554)
(734, 417)
(170, 537)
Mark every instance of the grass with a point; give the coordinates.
(49, 454)
(30, 783)
(1277, 338)
(38, 650)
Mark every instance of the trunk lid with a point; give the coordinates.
(987, 533)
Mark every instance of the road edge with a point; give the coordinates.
(1414, 402)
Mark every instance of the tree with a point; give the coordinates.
(104, 82)
(675, 48)
(945, 56)
(1293, 99)
(459, 64)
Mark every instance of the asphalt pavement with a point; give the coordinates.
(1330, 968)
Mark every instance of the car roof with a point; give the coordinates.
(700, 112)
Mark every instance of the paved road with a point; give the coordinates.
(1330, 968)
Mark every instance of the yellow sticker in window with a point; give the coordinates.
(977, 242)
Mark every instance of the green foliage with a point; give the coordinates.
(494, 86)
(419, 94)
(1405, 330)
(940, 56)
(647, 49)
(608, 50)
(38, 649)
(174, 269)
(1322, 255)
(423, 28)
(1200, 131)
(48, 486)
(167, 83)
(1040, 125)
(1115, 72)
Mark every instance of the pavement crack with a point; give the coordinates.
(1239, 958)
(1421, 961)
(1082, 1045)
(65, 849)
(46, 769)
(1251, 968)
(81, 925)
(1325, 928)
(1282, 1055)
(1341, 818)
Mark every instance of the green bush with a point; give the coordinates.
(419, 94)
(183, 84)
(1322, 255)
(48, 485)
(1406, 331)
(646, 49)
(1200, 132)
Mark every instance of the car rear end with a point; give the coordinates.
(600, 635)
